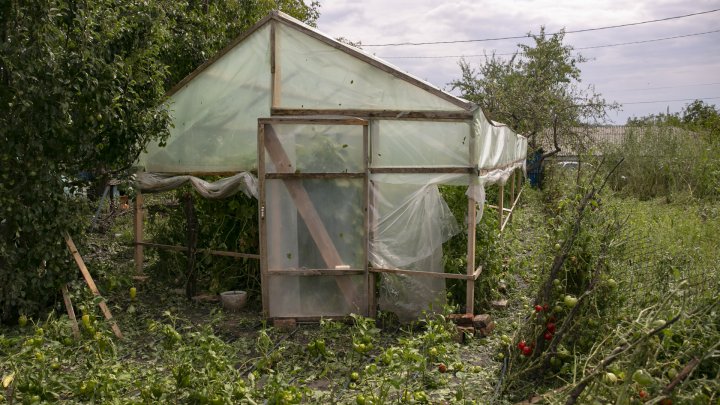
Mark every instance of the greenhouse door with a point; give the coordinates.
(313, 216)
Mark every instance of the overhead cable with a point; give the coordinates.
(578, 49)
(528, 35)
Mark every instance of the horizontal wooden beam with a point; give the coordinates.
(421, 170)
(386, 114)
(424, 273)
(299, 176)
(208, 251)
(310, 119)
(316, 272)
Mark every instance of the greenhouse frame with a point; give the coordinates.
(344, 153)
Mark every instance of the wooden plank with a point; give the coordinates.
(369, 279)
(306, 210)
(138, 233)
(265, 288)
(377, 63)
(70, 311)
(275, 83)
(512, 186)
(224, 253)
(91, 284)
(421, 170)
(305, 119)
(471, 230)
(501, 205)
(512, 209)
(421, 273)
(462, 116)
(297, 176)
(315, 272)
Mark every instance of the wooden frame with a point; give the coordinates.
(434, 115)
(268, 141)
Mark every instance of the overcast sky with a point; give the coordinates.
(683, 68)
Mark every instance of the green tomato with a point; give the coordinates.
(610, 378)
(354, 376)
(360, 399)
(570, 301)
(643, 378)
(22, 321)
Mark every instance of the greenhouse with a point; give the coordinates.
(344, 154)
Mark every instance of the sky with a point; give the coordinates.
(641, 77)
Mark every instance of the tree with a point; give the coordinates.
(536, 92)
(81, 85)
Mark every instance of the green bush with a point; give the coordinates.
(225, 225)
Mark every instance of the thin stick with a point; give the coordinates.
(70, 311)
(91, 284)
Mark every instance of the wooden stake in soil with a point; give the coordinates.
(89, 280)
(70, 311)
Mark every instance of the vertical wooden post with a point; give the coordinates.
(191, 235)
(470, 289)
(369, 205)
(501, 204)
(264, 279)
(138, 230)
(512, 188)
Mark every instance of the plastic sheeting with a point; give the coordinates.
(398, 143)
(291, 246)
(215, 115)
(223, 188)
(315, 75)
(411, 222)
(320, 148)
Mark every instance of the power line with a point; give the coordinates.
(669, 87)
(670, 101)
(528, 35)
(578, 49)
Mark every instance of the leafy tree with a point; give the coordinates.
(80, 86)
(536, 92)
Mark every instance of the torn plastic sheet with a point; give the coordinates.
(223, 188)
(411, 223)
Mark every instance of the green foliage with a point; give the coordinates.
(536, 92)
(667, 155)
(487, 253)
(226, 225)
(80, 87)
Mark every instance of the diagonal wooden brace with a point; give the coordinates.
(307, 211)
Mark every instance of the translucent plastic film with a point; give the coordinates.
(397, 143)
(410, 224)
(499, 150)
(223, 188)
(292, 241)
(320, 148)
(317, 76)
(215, 114)
(315, 296)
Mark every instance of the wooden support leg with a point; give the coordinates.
(512, 188)
(501, 205)
(70, 312)
(470, 289)
(91, 284)
(138, 228)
